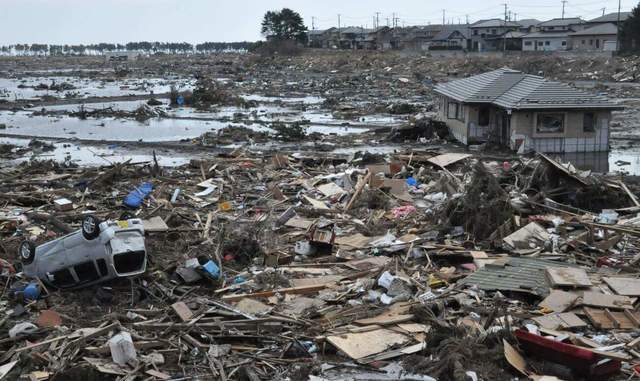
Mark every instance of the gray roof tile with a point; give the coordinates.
(512, 89)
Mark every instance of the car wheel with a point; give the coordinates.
(27, 252)
(90, 227)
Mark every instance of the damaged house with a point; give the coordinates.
(525, 112)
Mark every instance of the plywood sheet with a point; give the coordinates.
(362, 344)
(624, 286)
(568, 277)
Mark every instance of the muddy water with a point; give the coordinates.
(10, 88)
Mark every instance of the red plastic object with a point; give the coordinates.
(580, 360)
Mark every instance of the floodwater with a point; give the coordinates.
(10, 88)
(87, 155)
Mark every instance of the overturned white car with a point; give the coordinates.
(98, 252)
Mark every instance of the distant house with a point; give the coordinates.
(525, 112)
(319, 38)
(545, 41)
(121, 55)
(351, 37)
(528, 25)
(609, 18)
(600, 37)
(451, 37)
(571, 24)
(552, 35)
(485, 34)
(378, 38)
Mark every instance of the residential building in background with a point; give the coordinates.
(492, 35)
(525, 112)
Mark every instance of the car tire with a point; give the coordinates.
(27, 252)
(90, 227)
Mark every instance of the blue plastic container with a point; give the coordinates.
(135, 197)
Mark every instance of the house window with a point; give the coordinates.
(546, 43)
(455, 111)
(583, 41)
(484, 115)
(527, 43)
(493, 31)
(475, 32)
(590, 42)
(540, 43)
(550, 123)
(589, 122)
(564, 43)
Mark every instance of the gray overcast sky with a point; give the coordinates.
(92, 21)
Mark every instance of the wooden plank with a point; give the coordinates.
(566, 320)
(385, 319)
(609, 315)
(363, 344)
(600, 320)
(623, 285)
(596, 299)
(559, 301)
(264, 294)
(632, 318)
(568, 277)
(447, 159)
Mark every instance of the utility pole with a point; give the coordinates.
(443, 17)
(515, 16)
(563, 4)
(603, 9)
(338, 22)
(504, 36)
(313, 23)
(377, 19)
(467, 17)
(389, 25)
(618, 29)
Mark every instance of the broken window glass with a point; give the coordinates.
(589, 122)
(550, 123)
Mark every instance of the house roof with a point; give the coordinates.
(509, 34)
(547, 35)
(611, 17)
(492, 23)
(446, 32)
(513, 89)
(354, 29)
(599, 29)
(317, 31)
(562, 22)
(528, 22)
(515, 274)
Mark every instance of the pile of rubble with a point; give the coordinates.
(416, 265)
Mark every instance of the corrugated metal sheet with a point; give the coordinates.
(517, 274)
(511, 89)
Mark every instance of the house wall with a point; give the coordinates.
(457, 127)
(573, 139)
(548, 44)
(588, 43)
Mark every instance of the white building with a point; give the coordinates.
(545, 41)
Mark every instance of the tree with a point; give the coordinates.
(630, 31)
(284, 25)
